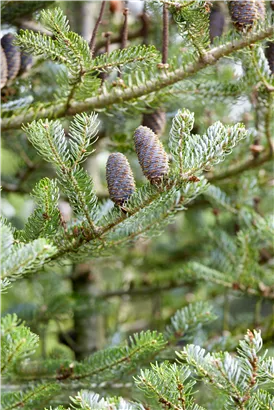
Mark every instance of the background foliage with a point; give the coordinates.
(139, 306)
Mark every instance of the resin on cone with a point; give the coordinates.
(151, 154)
(120, 180)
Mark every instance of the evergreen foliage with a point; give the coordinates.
(198, 179)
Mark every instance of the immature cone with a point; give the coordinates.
(269, 52)
(245, 13)
(151, 154)
(216, 22)
(156, 121)
(120, 179)
(4, 68)
(13, 55)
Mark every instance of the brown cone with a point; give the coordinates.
(151, 154)
(269, 52)
(156, 121)
(4, 68)
(13, 55)
(245, 13)
(216, 22)
(120, 179)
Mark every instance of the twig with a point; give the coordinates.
(107, 35)
(177, 285)
(92, 40)
(145, 29)
(164, 79)
(117, 39)
(237, 169)
(124, 34)
(165, 34)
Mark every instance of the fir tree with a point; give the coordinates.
(179, 220)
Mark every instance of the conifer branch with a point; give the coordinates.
(164, 79)
(93, 37)
(239, 168)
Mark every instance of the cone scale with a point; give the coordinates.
(13, 55)
(245, 13)
(151, 154)
(120, 179)
(4, 68)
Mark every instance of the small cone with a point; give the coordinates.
(120, 179)
(151, 154)
(156, 121)
(269, 52)
(4, 68)
(245, 13)
(216, 22)
(13, 55)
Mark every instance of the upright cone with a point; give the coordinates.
(216, 22)
(269, 52)
(245, 13)
(4, 68)
(156, 121)
(151, 154)
(120, 179)
(13, 55)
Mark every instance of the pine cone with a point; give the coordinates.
(216, 22)
(269, 52)
(26, 62)
(13, 55)
(4, 68)
(156, 121)
(120, 179)
(272, 5)
(151, 154)
(245, 13)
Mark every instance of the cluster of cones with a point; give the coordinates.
(13, 61)
(151, 156)
(244, 14)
